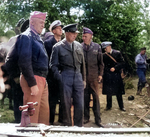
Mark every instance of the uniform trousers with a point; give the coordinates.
(92, 88)
(54, 99)
(18, 101)
(73, 88)
(119, 99)
(141, 72)
(41, 114)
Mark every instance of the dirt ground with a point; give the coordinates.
(135, 110)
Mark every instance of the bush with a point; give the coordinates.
(128, 84)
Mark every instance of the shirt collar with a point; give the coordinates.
(111, 51)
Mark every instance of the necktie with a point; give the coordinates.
(73, 54)
(72, 47)
(87, 47)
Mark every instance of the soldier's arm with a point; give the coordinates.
(25, 59)
(54, 63)
(100, 64)
(138, 60)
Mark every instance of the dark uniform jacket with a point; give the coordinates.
(112, 81)
(49, 45)
(93, 60)
(33, 59)
(62, 59)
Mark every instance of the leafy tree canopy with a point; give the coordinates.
(125, 23)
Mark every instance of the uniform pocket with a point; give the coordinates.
(79, 56)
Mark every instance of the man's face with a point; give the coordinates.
(108, 49)
(71, 36)
(143, 52)
(38, 25)
(87, 38)
(57, 31)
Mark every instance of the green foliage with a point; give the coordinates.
(9, 34)
(128, 85)
(6, 115)
(57, 10)
(118, 21)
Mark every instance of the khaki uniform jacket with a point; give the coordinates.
(63, 58)
(93, 60)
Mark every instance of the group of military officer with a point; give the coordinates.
(73, 71)
(77, 71)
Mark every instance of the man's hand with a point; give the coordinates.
(99, 78)
(112, 69)
(34, 90)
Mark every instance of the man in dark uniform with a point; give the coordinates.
(56, 29)
(67, 64)
(15, 85)
(94, 71)
(112, 81)
(16, 91)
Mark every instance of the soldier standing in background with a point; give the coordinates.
(54, 94)
(141, 63)
(16, 91)
(112, 80)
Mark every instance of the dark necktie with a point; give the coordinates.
(87, 47)
(73, 54)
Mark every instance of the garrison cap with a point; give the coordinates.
(71, 28)
(87, 30)
(38, 14)
(55, 24)
(105, 44)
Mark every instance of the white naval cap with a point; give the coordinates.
(105, 44)
(55, 24)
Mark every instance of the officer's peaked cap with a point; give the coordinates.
(71, 28)
(105, 44)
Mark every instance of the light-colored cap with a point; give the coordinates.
(105, 44)
(38, 14)
(55, 24)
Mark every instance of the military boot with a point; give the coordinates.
(139, 90)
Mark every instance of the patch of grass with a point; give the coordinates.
(128, 83)
(6, 115)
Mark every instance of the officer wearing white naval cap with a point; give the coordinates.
(54, 94)
(112, 81)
